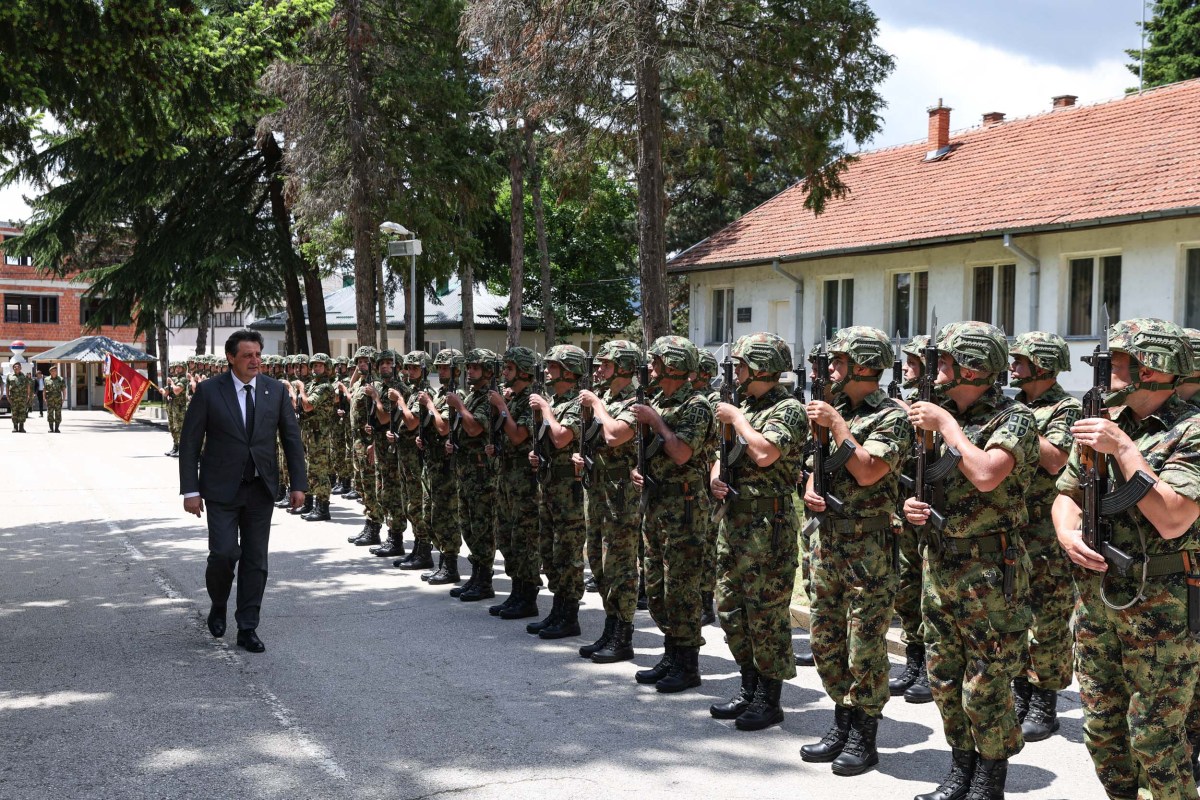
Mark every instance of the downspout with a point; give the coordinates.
(1035, 276)
(798, 316)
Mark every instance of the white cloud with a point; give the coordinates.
(974, 79)
(12, 207)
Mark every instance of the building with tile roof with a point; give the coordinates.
(1030, 223)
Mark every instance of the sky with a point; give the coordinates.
(977, 56)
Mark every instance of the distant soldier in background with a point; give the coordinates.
(20, 397)
(317, 401)
(176, 399)
(441, 488)
(56, 396)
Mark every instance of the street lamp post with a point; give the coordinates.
(410, 247)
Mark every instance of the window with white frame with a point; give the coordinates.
(910, 303)
(994, 296)
(434, 346)
(720, 329)
(1191, 288)
(1092, 283)
(838, 307)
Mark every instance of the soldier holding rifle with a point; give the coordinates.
(404, 431)
(432, 438)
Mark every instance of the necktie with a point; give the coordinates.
(248, 471)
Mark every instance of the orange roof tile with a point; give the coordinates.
(1075, 166)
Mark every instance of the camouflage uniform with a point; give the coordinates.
(176, 406)
(362, 415)
(19, 387)
(343, 461)
(476, 480)
(411, 462)
(706, 370)
(54, 402)
(390, 488)
(908, 586)
(320, 422)
(1137, 667)
(441, 492)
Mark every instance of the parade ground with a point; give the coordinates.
(373, 684)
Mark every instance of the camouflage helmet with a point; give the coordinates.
(916, 347)
(524, 359)
(866, 346)
(417, 358)
(763, 352)
(707, 364)
(365, 351)
(449, 357)
(301, 360)
(813, 352)
(1046, 351)
(341, 361)
(625, 355)
(385, 355)
(483, 356)
(975, 345)
(321, 358)
(677, 353)
(1154, 343)
(1193, 337)
(572, 358)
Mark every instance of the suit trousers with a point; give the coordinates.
(237, 542)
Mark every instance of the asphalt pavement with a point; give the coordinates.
(373, 685)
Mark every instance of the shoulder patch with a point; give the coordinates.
(792, 417)
(1017, 424)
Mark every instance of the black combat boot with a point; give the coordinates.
(368, 535)
(919, 692)
(421, 557)
(525, 605)
(393, 546)
(351, 493)
(339, 487)
(1022, 691)
(534, 628)
(174, 451)
(804, 656)
(643, 602)
(988, 781)
(1042, 720)
(590, 585)
(449, 572)
(764, 709)
(859, 753)
(431, 570)
(733, 708)
(709, 615)
(610, 625)
(619, 647)
(319, 513)
(914, 667)
(513, 593)
(482, 590)
(955, 785)
(659, 670)
(304, 509)
(831, 744)
(685, 671)
(286, 500)
(567, 625)
(458, 590)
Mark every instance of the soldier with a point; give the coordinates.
(296, 385)
(562, 529)
(1135, 657)
(404, 434)
(317, 401)
(442, 493)
(1188, 390)
(679, 420)
(474, 475)
(706, 370)
(976, 604)
(757, 546)
(1037, 359)
(362, 409)
(613, 516)
(806, 541)
(517, 495)
(343, 462)
(390, 505)
(56, 396)
(20, 397)
(176, 398)
(853, 575)
(913, 682)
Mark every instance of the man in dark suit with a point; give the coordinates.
(227, 457)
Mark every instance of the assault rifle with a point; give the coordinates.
(732, 445)
(897, 370)
(422, 413)
(455, 420)
(928, 484)
(1098, 502)
(643, 436)
(497, 417)
(589, 429)
(825, 461)
(541, 429)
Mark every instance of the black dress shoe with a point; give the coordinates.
(248, 639)
(216, 621)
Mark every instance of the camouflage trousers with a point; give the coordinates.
(343, 463)
(517, 520)
(853, 589)
(364, 480)
(756, 566)
(1137, 677)
(20, 411)
(613, 544)
(908, 585)
(281, 460)
(974, 647)
(319, 470)
(1052, 601)
(708, 573)
(389, 487)
(175, 413)
(561, 534)
(441, 505)
(674, 559)
(414, 491)
(477, 507)
(54, 415)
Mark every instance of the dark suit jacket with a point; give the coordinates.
(213, 425)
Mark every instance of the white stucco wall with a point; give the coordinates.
(1153, 263)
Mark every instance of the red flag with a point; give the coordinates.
(123, 388)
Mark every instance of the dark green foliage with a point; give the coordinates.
(1172, 44)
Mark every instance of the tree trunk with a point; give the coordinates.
(202, 331)
(516, 261)
(466, 277)
(365, 259)
(651, 201)
(295, 333)
(164, 354)
(539, 224)
(155, 367)
(318, 325)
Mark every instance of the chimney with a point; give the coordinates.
(939, 131)
(1064, 100)
(993, 118)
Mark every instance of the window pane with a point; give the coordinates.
(1079, 312)
(921, 307)
(727, 333)
(901, 304)
(981, 309)
(1007, 290)
(831, 307)
(1110, 279)
(1191, 299)
(716, 332)
(846, 318)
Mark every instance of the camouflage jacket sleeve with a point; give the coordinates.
(1057, 430)
(693, 423)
